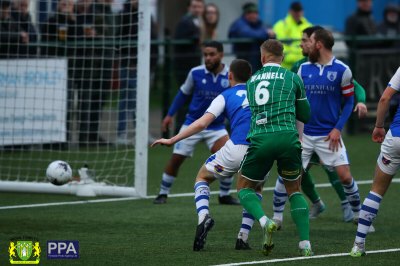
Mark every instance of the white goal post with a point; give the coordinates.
(42, 108)
(142, 120)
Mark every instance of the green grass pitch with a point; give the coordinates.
(136, 232)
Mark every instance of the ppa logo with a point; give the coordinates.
(62, 249)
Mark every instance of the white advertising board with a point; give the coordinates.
(33, 101)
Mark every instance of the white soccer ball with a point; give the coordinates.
(59, 173)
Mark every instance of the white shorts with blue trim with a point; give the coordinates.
(317, 144)
(226, 162)
(186, 146)
(389, 157)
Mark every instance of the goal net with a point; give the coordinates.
(68, 79)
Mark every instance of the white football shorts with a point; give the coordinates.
(317, 144)
(389, 157)
(186, 146)
(226, 162)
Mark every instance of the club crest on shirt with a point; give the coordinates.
(385, 161)
(224, 83)
(331, 75)
(204, 81)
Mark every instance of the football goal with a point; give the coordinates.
(68, 92)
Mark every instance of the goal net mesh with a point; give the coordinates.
(68, 78)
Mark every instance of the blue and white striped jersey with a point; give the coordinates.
(325, 87)
(204, 86)
(233, 104)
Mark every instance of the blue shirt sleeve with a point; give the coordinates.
(346, 112)
(178, 102)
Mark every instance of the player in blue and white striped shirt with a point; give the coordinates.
(387, 165)
(223, 164)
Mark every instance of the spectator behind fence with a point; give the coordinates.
(11, 38)
(93, 81)
(58, 29)
(84, 19)
(128, 34)
(249, 26)
(361, 23)
(390, 26)
(291, 27)
(187, 56)
(20, 14)
(210, 20)
(189, 28)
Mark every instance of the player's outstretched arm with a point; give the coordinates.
(195, 127)
(378, 135)
(166, 142)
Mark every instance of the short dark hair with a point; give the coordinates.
(310, 30)
(241, 70)
(249, 7)
(214, 44)
(325, 37)
(273, 46)
(190, 2)
(296, 6)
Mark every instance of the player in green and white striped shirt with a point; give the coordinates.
(274, 90)
(276, 98)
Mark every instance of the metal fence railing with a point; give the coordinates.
(373, 61)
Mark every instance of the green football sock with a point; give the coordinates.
(336, 184)
(308, 187)
(248, 198)
(299, 212)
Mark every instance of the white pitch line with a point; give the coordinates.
(66, 203)
(307, 258)
(323, 185)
